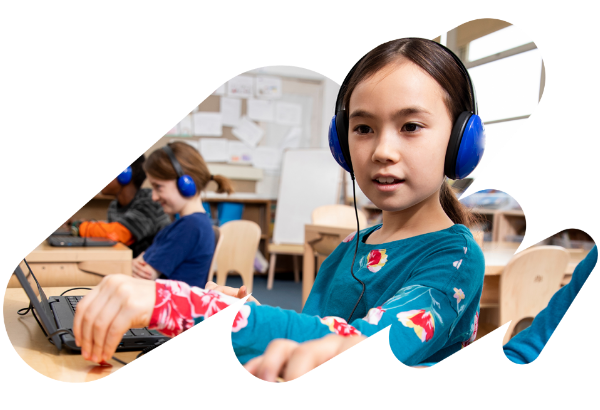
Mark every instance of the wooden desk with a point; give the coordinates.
(30, 343)
(76, 266)
(321, 240)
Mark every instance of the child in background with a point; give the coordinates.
(183, 250)
(422, 270)
(133, 218)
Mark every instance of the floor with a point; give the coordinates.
(285, 294)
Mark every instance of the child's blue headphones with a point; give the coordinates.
(125, 177)
(185, 183)
(467, 140)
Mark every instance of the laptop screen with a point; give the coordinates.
(41, 305)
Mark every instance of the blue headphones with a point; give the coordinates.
(467, 139)
(185, 183)
(125, 177)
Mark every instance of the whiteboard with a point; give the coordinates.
(309, 178)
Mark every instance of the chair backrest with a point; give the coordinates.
(341, 216)
(237, 251)
(213, 263)
(529, 281)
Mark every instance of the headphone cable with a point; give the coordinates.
(355, 250)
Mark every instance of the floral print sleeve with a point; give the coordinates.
(178, 305)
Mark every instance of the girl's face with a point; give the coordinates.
(399, 128)
(167, 195)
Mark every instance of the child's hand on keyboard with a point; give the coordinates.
(117, 304)
(239, 293)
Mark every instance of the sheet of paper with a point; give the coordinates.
(239, 153)
(248, 132)
(185, 125)
(261, 110)
(208, 124)
(288, 113)
(231, 111)
(240, 86)
(192, 142)
(268, 87)
(267, 158)
(214, 149)
(220, 90)
(292, 139)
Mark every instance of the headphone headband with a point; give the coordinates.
(174, 162)
(344, 86)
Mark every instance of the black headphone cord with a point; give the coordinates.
(355, 250)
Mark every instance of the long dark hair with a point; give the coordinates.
(440, 65)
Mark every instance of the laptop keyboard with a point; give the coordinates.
(73, 300)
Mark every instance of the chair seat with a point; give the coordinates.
(286, 249)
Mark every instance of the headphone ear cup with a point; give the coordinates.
(125, 177)
(186, 186)
(339, 145)
(471, 147)
(466, 146)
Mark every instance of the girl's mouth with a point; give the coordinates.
(386, 184)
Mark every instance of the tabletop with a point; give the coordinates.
(34, 348)
(47, 253)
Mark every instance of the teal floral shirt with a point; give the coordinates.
(426, 287)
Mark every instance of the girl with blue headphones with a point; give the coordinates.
(405, 119)
(184, 249)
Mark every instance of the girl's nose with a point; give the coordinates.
(387, 149)
(154, 196)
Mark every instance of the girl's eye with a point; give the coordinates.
(411, 127)
(362, 129)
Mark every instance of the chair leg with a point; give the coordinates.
(271, 271)
(296, 269)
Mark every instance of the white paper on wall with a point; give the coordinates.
(292, 139)
(208, 124)
(174, 130)
(185, 125)
(240, 87)
(248, 132)
(261, 110)
(239, 153)
(288, 113)
(268, 87)
(214, 149)
(231, 111)
(267, 158)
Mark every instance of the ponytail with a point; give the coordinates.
(224, 184)
(456, 211)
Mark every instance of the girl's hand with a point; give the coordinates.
(140, 269)
(117, 304)
(227, 290)
(290, 360)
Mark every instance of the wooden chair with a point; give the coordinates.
(339, 216)
(237, 251)
(213, 263)
(528, 283)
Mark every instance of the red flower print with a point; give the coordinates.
(339, 326)
(241, 319)
(421, 321)
(376, 260)
(374, 315)
(474, 326)
(349, 237)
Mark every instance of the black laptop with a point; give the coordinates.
(63, 240)
(57, 313)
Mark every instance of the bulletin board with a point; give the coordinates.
(250, 121)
